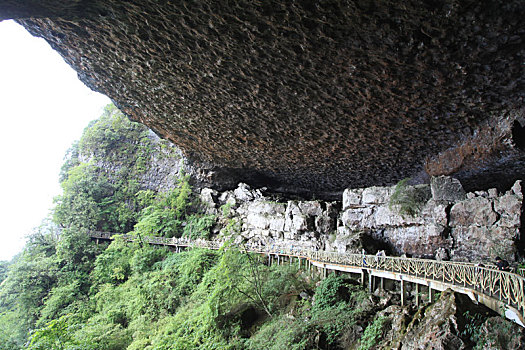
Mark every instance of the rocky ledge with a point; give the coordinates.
(308, 96)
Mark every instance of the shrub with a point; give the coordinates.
(372, 333)
(407, 200)
(198, 226)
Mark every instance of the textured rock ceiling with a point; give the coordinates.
(308, 96)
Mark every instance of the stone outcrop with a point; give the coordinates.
(435, 327)
(450, 223)
(308, 97)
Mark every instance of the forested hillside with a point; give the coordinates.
(64, 291)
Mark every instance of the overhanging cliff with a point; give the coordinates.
(308, 96)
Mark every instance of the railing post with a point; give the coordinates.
(402, 293)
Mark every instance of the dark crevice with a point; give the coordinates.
(518, 135)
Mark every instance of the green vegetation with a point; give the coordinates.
(372, 333)
(407, 200)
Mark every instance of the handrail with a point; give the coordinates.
(504, 286)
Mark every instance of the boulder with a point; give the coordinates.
(436, 327)
(508, 208)
(473, 212)
(376, 195)
(446, 188)
(352, 197)
(244, 193)
(208, 197)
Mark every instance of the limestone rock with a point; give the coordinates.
(509, 208)
(398, 318)
(376, 195)
(436, 212)
(483, 243)
(208, 197)
(384, 216)
(473, 212)
(358, 218)
(243, 193)
(436, 327)
(352, 197)
(448, 189)
(516, 189)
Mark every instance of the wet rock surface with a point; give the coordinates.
(308, 97)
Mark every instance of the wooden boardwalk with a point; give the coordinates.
(499, 290)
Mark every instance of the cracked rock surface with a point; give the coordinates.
(308, 96)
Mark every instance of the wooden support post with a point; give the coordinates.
(278, 260)
(417, 294)
(269, 259)
(299, 262)
(290, 257)
(370, 283)
(430, 297)
(96, 240)
(402, 293)
(382, 281)
(362, 277)
(324, 271)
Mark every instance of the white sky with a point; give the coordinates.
(43, 109)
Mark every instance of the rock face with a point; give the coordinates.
(450, 224)
(308, 97)
(436, 327)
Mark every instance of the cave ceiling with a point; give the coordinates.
(308, 97)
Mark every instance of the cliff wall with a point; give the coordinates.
(448, 224)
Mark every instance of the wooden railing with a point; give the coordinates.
(504, 286)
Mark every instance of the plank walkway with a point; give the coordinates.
(499, 290)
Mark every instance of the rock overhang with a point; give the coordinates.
(308, 97)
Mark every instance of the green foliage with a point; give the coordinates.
(226, 209)
(56, 335)
(330, 293)
(12, 336)
(373, 333)
(407, 200)
(337, 306)
(113, 266)
(166, 211)
(101, 173)
(283, 333)
(198, 226)
(473, 327)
